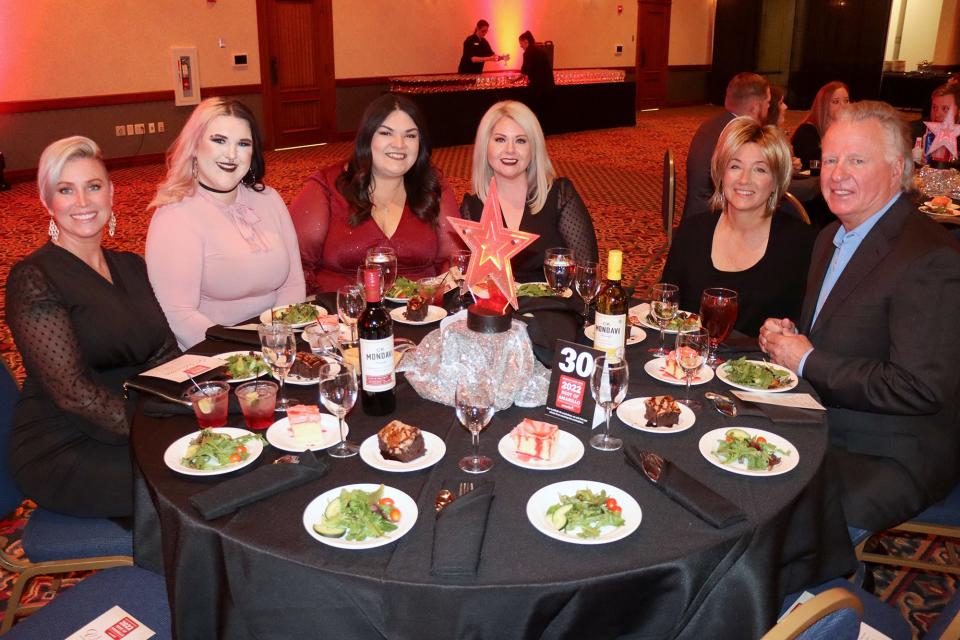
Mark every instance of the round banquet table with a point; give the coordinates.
(257, 573)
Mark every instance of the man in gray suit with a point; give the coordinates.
(747, 95)
(879, 334)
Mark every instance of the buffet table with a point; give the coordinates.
(258, 574)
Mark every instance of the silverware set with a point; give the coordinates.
(445, 496)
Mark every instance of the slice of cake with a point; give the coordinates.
(535, 440)
(662, 411)
(672, 368)
(305, 425)
(417, 308)
(401, 442)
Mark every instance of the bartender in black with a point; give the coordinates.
(476, 50)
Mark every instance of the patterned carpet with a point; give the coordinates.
(616, 171)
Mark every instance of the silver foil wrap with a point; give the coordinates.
(938, 182)
(453, 352)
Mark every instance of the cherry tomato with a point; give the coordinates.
(611, 504)
(616, 509)
(729, 438)
(235, 457)
(761, 440)
(385, 501)
(240, 450)
(394, 515)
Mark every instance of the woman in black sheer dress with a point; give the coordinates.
(510, 148)
(84, 319)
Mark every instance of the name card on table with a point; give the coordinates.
(115, 624)
(568, 396)
(182, 368)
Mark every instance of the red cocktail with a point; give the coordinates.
(718, 313)
(258, 400)
(210, 403)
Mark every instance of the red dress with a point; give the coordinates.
(331, 250)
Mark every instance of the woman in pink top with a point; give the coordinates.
(221, 247)
(388, 194)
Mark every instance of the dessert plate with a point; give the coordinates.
(173, 454)
(642, 313)
(708, 446)
(632, 413)
(434, 452)
(313, 514)
(434, 313)
(569, 451)
(723, 375)
(280, 435)
(540, 501)
(267, 316)
(223, 356)
(656, 369)
(636, 334)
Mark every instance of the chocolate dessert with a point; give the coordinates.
(401, 442)
(417, 308)
(662, 411)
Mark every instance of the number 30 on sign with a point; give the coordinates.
(568, 397)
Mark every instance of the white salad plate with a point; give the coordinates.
(656, 369)
(313, 514)
(434, 450)
(176, 451)
(632, 414)
(710, 440)
(449, 285)
(540, 501)
(723, 375)
(267, 316)
(642, 313)
(280, 435)
(434, 313)
(566, 292)
(569, 451)
(223, 356)
(637, 334)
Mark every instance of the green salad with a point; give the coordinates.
(586, 513)
(534, 290)
(756, 375)
(299, 313)
(402, 288)
(211, 450)
(682, 322)
(246, 365)
(358, 515)
(753, 451)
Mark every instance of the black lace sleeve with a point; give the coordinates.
(575, 224)
(45, 337)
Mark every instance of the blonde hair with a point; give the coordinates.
(896, 133)
(56, 156)
(540, 173)
(773, 145)
(819, 115)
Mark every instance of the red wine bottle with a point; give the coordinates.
(375, 327)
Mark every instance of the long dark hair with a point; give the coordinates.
(421, 182)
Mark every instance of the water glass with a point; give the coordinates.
(338, 393)
(664, 304)
(278, 344)
(608, 386)
(258, 401)
(324, 339)
(559, 269)
(210, 401)
(386, 259)
(475, 409)
(351, 302)
(691, 352)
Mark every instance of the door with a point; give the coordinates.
(296, 71)
(653, 43)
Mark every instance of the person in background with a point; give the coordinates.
(745, 244)
(830, 99)
(943, 100)
(221, 247)
(476, 50)
(387, 194)
(887, 373)
(748, 94)
(510, 148)
(85, 319)
(777, 111)
(536, 63)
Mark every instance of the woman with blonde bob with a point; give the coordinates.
(85, 319)
(745, 245)
(510, 149)
(831, 98)
(221, 247)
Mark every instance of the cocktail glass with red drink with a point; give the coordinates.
(258, 401)
(718, 313)
(209, 401)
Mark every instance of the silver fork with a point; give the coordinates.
(465, 488)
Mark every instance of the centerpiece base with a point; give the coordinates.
(485, 320)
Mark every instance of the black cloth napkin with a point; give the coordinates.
(459, 530)
(778, 414)
(738, 344)
(240, 336)
(268, 480)
(696, 497)
(160, 408)
(553, 319)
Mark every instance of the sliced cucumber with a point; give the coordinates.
(559, 517)
(332, 512)
(738, 434)
(328, 530)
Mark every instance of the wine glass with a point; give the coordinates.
(324, 340)
(338, 393)
(588, 284)
(459, 261)
(664, 303)
(386, 259)
(691, 351)
(474, 403)
(718, 313)
(279, 347)
(350, 304)
(559, 268)
(608, 386)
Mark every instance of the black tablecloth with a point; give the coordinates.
(258, 574)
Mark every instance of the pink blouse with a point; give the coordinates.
(212, 263)
(332, 250)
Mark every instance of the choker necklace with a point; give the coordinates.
(218, 190)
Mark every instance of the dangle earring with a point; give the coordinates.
(52, 230)
(112, 224)
(196, 170)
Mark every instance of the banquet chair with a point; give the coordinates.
(794, 203)
(668, 206)
(52, 543)
(139, 592)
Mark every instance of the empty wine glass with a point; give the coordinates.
(718, 313)
(338, 393)
(279, 347)
(324, 340)
(386, 259)
(559, 269)
(588, 284)
(475, 409)
(608, 385)
(664, 303)
(691, 352)
(350, 304)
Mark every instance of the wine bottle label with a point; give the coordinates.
(376, 364)
(609, 333)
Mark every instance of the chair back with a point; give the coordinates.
(10, 496)
(792, 202)
(834, 613)
(669, 197)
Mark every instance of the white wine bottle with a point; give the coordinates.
(610, 330)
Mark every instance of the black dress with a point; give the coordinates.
(80, 337)
(772, 288)
(563, 222)
(806, 144)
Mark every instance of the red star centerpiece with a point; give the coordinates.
(492, 245)
(945, 135)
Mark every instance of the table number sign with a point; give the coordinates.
(115, 624)
(568, 396)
